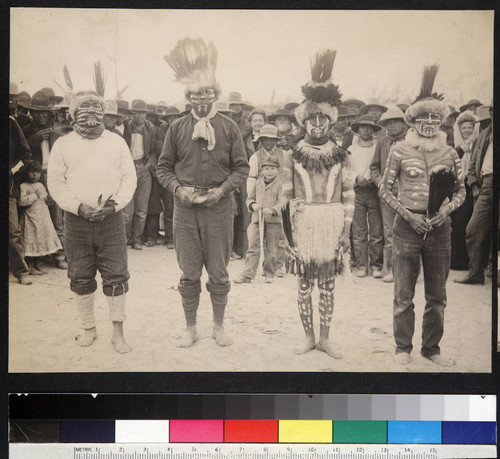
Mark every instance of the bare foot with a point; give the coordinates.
(326, 346)
(86, 338)
(120, 345)
(308, 345)
(190, 337)
(220, 336)
(403, 358)
(441, 361)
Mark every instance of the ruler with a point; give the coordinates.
(246, 451)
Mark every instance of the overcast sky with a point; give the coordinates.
(380, 54)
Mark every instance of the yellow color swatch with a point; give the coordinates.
(305, 432)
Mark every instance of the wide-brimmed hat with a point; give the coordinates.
(402, 107)
(123, 107)
(248, 106)
(138, 105)
(222, 107)
(453, 111)
(353, 101)
(268, 131)
(161, 107)
(52, 95)
(235, 98)
(290, 106)
(40, 102)
(172, 111)
(270, 162)
(483, 113)
(110, 108)
(365, 120)
(23, 98)
(393, 113)
(471, 103)
(282, 112)
(364, 109)
(343, 112)
(152, 109)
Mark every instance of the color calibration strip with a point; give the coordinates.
(258, 431)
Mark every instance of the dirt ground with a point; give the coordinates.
(261, 318)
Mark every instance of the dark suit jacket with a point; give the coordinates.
(477, 156)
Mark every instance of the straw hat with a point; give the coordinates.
(393, 113)
(268, 131)
(110, 108)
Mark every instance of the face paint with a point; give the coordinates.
(427, 124)
(89, 114)
(202, 101)
(317, 126)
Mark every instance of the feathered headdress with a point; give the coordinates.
(427, 101)
(321, 95)
(194, 63)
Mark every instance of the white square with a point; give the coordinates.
(482, 408)
(151, 431)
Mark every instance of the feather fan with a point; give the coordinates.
(193, 62)
(320, 88)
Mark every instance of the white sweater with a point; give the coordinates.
(82, 169)
(362, 157)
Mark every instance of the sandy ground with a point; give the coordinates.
(262, 319)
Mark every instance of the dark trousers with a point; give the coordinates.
(367, 228)
(136, 210)
(272, 236)
(17, 263)
(92, 246)
(435, 251)
(152, 227)
(478, 232)
(203, 236)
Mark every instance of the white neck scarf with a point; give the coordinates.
(203, 129)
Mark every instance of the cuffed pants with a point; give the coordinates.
(435, 252)
(92, 246)
(203, 236)
(272, 235)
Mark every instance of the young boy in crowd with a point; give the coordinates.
(264, 200)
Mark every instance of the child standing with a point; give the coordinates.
(39, 235)
(264, 200)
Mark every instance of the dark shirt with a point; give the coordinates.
(184, 161)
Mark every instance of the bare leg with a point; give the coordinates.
(326, 297)
(118, 339)
(116, 306)
(304, 302)
(219, 302)
(190, 336)
(190, 294)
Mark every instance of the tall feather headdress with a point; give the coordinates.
(194, 63)
(321, 95)
(427, 101)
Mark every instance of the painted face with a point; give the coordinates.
(365, 132)
(428, 124)
(41, 118)
(34, 176)
(89, 114)
(317, 126)
(395, 126)
(269, 172)
(283, 124)
(257, 122)
(466, 129)
(267, 143)
(202, 101)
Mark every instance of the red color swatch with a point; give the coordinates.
(251, 431)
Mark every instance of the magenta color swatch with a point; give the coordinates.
(197, 431)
